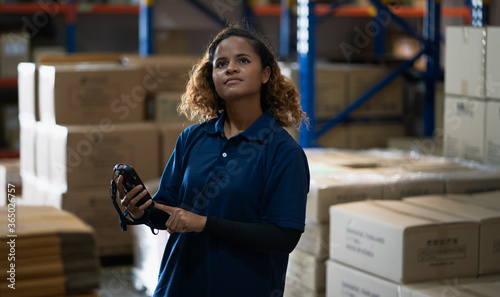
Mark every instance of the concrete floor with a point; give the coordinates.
(117, 281)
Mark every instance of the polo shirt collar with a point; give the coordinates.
(257, 131)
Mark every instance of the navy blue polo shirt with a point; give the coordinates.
(260, 175)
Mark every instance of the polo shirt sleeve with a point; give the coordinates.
(285, 194)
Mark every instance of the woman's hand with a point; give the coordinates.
(129, 203)
(182, 220)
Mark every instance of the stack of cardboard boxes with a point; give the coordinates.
(80, 119)
(48, 252)
(343, 176)
(338, 86)
(472, 94)
(420, 246)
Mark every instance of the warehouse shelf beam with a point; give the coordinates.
(146, 28)
(285, 29)
(430, 47)
(70, 20)
(432, 36)
(306, 50)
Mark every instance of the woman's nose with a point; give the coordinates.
(232, 68)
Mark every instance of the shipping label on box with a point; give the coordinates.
(464, 128)
(403, 244)
(90, 93)
(343, 280)
(489, 220)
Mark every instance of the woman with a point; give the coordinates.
(233, 194)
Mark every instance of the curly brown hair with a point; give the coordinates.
(201, 102)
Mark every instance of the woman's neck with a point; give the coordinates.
(239, 117)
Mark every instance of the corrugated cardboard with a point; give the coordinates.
(488, 218)
(386, 102)
(492, 132)
(295, 289)
(343, 280)
(464, 128)
(305, 269)
(169, 132)
(465, 57)
(403, 243)
(90, 93)
(326, 191)
(314, 240)
(84, 156)
(492, 62)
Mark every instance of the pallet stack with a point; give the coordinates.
(343, 176)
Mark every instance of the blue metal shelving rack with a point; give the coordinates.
(306, 50)
(430, 47)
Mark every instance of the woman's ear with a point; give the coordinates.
(266, 74)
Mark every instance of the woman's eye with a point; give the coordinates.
(244, 61)
(220, 64)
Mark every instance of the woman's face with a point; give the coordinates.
(237, 70)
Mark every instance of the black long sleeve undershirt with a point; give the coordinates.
(262, 237)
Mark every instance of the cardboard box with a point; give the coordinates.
(492, 133)
(472, 181)
(372, 135)
(327, 191)
(403, 243)
(343, 280)
(90, 93)
(413, 185)
(14, 49)
(465, 57)
(492, 62)
(306, 270)
(169, 133)
(331, 91)
(166, 104)
(489, 219)
(295, 289)
(331, 83)
(84, 156)
(464, 128)
(169, 73)
(315, 240)
(456, 287)
(336, 137)
(386, 102)
(94, 207)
